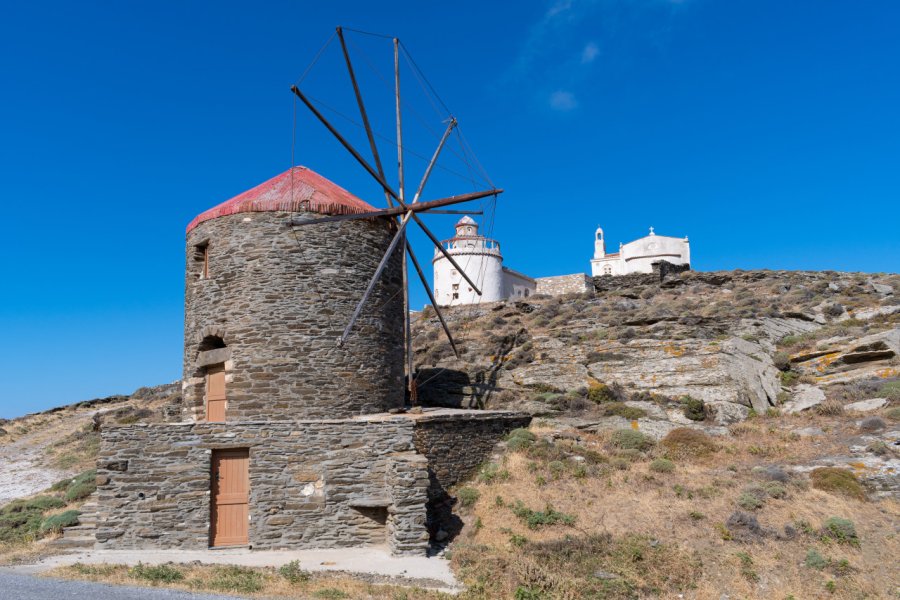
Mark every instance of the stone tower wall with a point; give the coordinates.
(279, 298)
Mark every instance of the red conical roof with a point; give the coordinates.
(296, 190)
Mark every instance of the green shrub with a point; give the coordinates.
(21, 519)
(79, 491)
(156, 573)
(629, 439)
(838, 481)
(236, 579)
(519, 439)
(526, 593)
(693, 408)
(293, 573)
(600, 392)
(662, 465)
(893, 413)
(557, 468)
(58, 522)
(620, 409)
(782, 361)
(467, 496)
(775, 489)
(749, 501)
(843, 531)
(330, 594)
(890, 390)
(535, 519)
(492, 471)
(814, 560)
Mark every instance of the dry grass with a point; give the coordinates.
(684, 511)
(248, 582)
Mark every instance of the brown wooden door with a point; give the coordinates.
(229, 498)
(215, 394)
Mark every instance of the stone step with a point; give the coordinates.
(83, 541)
(79, 530)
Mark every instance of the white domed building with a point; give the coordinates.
(640, 255)
(483, 263)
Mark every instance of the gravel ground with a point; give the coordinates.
(14, 586)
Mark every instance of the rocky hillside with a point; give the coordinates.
(39, 449)
(710, 435)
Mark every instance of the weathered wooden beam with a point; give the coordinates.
(399, 210)
(362, 111)
(434, 303)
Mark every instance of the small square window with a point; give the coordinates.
(455, 296)
(455, 286)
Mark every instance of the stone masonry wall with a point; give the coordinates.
(312, 484)
(564, 284)
(457, 444)
(279, 298)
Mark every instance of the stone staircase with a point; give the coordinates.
(81, 536)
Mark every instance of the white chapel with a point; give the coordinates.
(638, 256)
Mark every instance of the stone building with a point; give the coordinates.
(285, 439)
(640, 255)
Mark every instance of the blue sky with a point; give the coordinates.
(767, 131)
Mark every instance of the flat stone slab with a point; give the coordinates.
(372, 560)
(866, 405)
(805, 397)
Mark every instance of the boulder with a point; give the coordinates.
(805, 397)
(727, 413)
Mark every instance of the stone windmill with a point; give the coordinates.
(400, 208)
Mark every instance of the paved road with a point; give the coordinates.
(14, 586)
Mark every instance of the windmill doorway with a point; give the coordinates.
(229, 498)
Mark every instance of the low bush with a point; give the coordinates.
(814, 560)
(468, 496)
(775, 489)
(156, 573)
(330, 594)
(837, 481)
(492, 471)
(58, 522)
(891, 391)
(21, 519)
(293, 573)
(843, 531)
(872, 424)
(684, 442)
(662, 465)
(520, 438)
(600, 392)
(236, 579)
(749, 501)
(830, 408)
(893, 413)
(782, 361)
(79, 491)
(629, 439)
(693, 408)
(535, 519)
(620, 409)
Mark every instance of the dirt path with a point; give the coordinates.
(21, 470)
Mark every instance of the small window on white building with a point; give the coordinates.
(456, 296)
(454, 272)
(526, 293)
(607, 270)
(455, 286)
